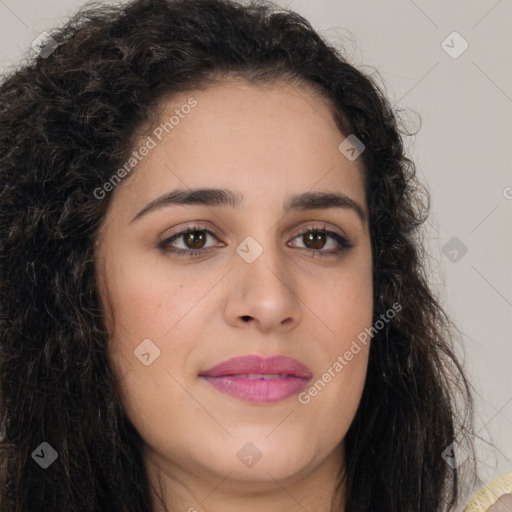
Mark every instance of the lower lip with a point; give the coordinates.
(258, 391)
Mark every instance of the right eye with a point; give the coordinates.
(191, 236)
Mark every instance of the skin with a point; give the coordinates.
(504, 504)
(266, 143)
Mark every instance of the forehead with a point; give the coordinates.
(268, 140)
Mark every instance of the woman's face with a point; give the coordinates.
(260, 287)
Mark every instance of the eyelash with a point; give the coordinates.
(342, 241)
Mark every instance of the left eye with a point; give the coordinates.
(194, 239)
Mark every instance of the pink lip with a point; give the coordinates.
(228, 377)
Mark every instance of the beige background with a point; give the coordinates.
(463, 154)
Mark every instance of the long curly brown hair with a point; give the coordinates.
(68, 120)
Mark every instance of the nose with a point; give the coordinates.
(263, 290)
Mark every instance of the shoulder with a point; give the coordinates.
(496, 496)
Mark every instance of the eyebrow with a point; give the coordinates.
(225, 197)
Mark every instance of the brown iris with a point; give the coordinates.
(316, 238)
(193, 238)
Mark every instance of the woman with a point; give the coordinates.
(212, 276)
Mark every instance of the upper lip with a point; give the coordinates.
(259, 364)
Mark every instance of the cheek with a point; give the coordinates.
(344, 315)
(150, 302)
(346, 308)
(147, 299)
(146, 307)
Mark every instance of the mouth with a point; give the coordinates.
(258, 379)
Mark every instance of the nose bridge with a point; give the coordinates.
(261, 247)
(264, 277)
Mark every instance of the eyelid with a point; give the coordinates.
(324, 227)
(195, 225)
(198, 225)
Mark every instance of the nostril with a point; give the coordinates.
(246, 318)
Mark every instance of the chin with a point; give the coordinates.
(263, 459)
